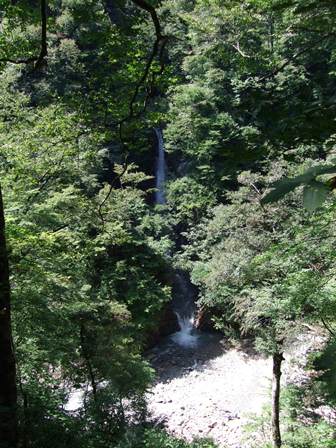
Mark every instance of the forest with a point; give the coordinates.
(167, 223)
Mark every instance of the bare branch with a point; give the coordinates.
(237, 47)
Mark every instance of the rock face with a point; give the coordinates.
(203, 320)
(167, 325)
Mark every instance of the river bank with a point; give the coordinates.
(214, 390)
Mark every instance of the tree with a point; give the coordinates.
(263, 270)
(242, 86)
(8, 416)
(56, 160)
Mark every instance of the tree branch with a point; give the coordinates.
(18, 61)
(112, 184)
(327, 327)
(293, 58)
(88, 361)
(157, 50)
(149, 8)
(43, 48)
(237, 47)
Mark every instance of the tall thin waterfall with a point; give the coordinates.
(160, 169)
(183, 303)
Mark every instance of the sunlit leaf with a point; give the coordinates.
(314, 195)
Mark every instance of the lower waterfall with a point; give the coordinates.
(187, 336)
(185, 309)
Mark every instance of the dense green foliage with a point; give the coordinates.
(245, 92)
(316, 434)
(153, 438)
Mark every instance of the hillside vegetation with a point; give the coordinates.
(245, 95)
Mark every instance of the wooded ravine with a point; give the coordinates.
(167, 224)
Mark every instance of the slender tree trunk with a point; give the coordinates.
(8, 394)
(24, 423)
(88, 362)
(276, 434)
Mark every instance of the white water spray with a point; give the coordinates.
(75, 400)
(186, 337)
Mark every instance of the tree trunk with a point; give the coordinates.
(8, 395)
(88, 362)
(276, 434)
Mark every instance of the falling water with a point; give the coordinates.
(183, 303)
(187, 336)
(160, 169)
(75, 400)
(184, 308)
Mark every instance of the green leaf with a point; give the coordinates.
(284, 186)
(319, 170)
(281, 189)
(314, 194)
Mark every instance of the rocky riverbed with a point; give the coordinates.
(213, 389)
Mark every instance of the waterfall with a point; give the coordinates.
(187, 336)
(183, 303)
(184, 308)
(160, 174)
